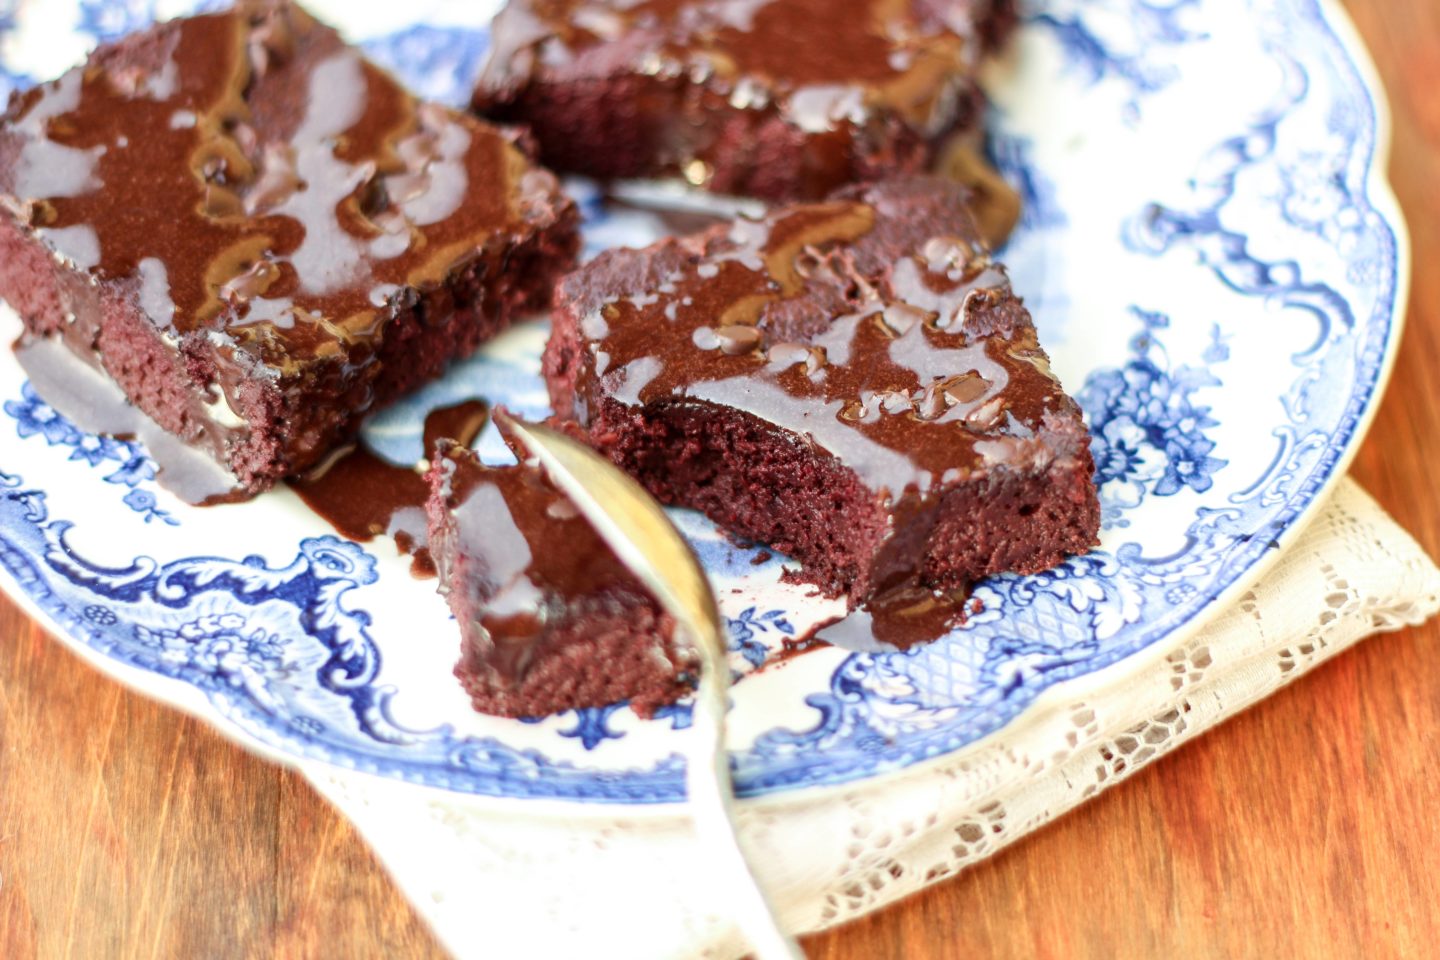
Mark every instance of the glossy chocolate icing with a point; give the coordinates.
(270, 199)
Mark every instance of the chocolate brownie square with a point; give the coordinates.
(852, 382)
(550, 618)
(778, 99)
(260, 235)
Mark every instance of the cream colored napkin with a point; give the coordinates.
(499, 879)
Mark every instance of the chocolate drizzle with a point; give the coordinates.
(889, 623)
(878, 54)
(897, 619)
(460, 423)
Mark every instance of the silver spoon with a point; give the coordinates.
(637, 529)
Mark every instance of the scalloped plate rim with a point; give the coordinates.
(191, 701)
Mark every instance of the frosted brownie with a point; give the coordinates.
(260, 235)
(852, 382)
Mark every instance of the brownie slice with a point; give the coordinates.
(778, 99)
(550, 618)
(260, 235)
(850, 382)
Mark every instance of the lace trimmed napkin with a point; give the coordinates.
(499, 879)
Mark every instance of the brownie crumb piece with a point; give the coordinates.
(550, 618)
(778, 99)
(852, 383)
(260, 236)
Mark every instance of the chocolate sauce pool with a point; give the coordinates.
(890, 623)
(364, 496)
(895, 620)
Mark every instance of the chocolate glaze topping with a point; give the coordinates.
(915, 372)
(876, 54)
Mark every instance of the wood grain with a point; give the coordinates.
(1305, 827)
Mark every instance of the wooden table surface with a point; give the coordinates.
(1305, 827)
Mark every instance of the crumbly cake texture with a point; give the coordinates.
(261, 236)
(550, 618)
(852, 382)
(778, 99)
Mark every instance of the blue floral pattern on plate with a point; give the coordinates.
(1215, 267)
(124, 463)
(1149, 430)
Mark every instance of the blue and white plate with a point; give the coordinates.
(1216, 266)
